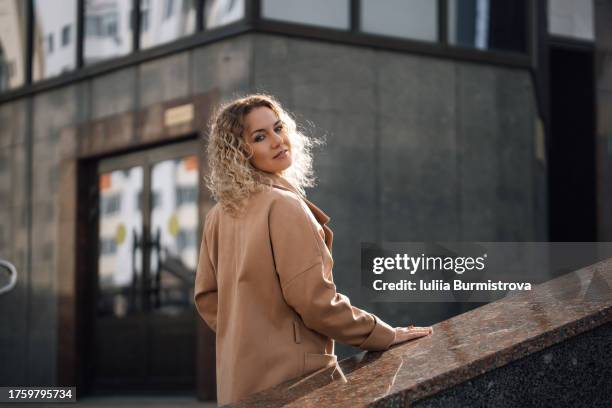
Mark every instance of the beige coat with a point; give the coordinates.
(264, 284)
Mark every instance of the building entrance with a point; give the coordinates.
(144, 331)
(572, 157)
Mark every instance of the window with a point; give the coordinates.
(571, 19)
(186, 195)
(47, 61)
(413, 19)
(111, 28)
(65, 35)
(222, 12)
(111, 204)
(12, 45)
(92, 26)
(104, 37)
(108, 25)
(5, 73)
(162, 22)
(144, 20)
(175, 182)
(168, 9)
(50, 43)
(488, 25)
(186, 239)
(108, 246)
(324, 13)
(156, 199)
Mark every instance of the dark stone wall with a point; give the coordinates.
(36, 133)
(418, 148)
(574, 373)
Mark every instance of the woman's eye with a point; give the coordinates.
(278, 129)
(258, 138)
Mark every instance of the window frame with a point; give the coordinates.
(252, 21)
(441, 48)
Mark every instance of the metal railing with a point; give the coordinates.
(12, 271)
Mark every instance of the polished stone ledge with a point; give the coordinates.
(461, 348)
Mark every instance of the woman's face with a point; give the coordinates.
(267, 137)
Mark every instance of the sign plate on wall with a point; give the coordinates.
(178, 115)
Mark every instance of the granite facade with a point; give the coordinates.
(417, 148)
(41, 139)
(575, 373)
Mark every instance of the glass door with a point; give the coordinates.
(145, 319)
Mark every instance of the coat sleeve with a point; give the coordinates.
(205, 292)
(303, 264)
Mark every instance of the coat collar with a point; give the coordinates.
(284, 184)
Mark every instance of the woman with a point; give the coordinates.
(264, 282)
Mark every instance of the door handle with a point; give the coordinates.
(6, 265)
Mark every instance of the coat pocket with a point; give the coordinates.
(297, 338)
(314, 362)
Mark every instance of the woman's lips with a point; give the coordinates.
(281, 154)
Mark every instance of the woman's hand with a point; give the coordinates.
(403, 334)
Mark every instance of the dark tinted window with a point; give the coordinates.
(488, 25)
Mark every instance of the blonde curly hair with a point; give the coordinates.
(231, 178)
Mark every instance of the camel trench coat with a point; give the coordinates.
(264, 284)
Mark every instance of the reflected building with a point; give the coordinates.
(120, 226)
(54, 38)
(163, 21)
(12, 44)
(108, 29)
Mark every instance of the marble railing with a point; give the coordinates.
(551, 346)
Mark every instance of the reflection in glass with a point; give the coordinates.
(488, 25)
(571, 19)
(120, 231)
(12, 43)
(108, 32)
(162, 21)
(174, 230)
(54, 38)
(325, 13)
(414, 19)
(222, 12)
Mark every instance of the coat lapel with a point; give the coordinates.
(322, 218)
